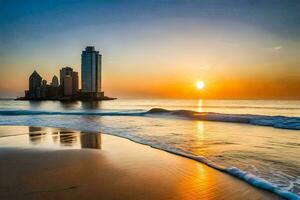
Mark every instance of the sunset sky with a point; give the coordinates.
(157, 48)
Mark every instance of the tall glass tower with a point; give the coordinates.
(91, 72)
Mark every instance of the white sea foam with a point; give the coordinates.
(243, 175)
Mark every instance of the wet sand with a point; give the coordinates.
(98, 166)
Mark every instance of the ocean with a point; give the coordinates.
(257, 141)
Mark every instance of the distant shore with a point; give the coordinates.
(105, 167)
(65, 99)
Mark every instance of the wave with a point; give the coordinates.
(243, 175)
(283, 122)
(260, 183)
(253, 107)
(231, 107)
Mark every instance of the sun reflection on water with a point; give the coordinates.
(200, 129)
(200, 105)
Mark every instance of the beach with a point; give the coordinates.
(48, 163)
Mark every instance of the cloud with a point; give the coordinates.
(276, 48)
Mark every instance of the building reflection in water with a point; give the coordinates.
(57, 137)
(35, 135)
(68, 138)
(70, 104)
(34, 129)
(91, 105)
(35, 104)
(90, 140)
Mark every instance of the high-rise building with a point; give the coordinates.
(68, 85)
(54, 90)
(91, 65)
(63, 72)
(68, 72)
(44, 82)
(74, 82)
(54, 82)
(35, 82)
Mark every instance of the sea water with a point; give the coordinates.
(255, 140)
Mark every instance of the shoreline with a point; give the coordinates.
(236, 173)
(66, 99)
(150, 154)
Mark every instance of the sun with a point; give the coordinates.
(200, 85)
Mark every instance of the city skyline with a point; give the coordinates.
(67, 88)
(247, 49)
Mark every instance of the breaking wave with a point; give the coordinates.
(243, 175)
(282, 122)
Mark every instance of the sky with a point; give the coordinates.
(241, 49)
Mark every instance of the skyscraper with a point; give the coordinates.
(91, 65)
(35, 82)
(54, 82)
(74, 82)
(54, 90)
(68, 85)
(64, 72)
(72, 76)
(44, 82)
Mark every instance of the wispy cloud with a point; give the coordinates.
(276, 48)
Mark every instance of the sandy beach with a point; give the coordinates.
(78, 165)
